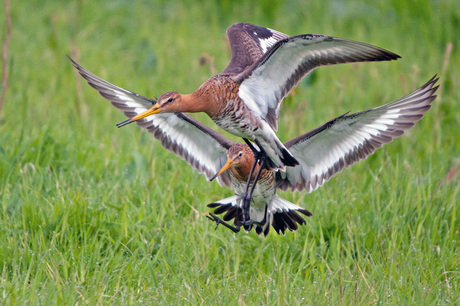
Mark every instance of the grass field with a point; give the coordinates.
(92, 214)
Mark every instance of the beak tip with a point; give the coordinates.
(223, 169)
(126, 122)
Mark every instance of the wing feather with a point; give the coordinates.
(272, 77)
(345, 140)
(248, 43)
(201, 147)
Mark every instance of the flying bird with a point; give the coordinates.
(244, 99)
(322, 153)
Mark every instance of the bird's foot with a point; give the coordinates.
(248, 221)
(251, 222)
(218, 221)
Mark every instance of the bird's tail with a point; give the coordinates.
(285, 215)
(281, 214)
(279, 155)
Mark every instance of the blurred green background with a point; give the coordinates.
(92, 214)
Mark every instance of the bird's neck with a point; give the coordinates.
(242, 170)
(212, 97)
(198, 102)
(191, 103)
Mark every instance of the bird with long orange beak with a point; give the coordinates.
(244, 99)
(322, 153)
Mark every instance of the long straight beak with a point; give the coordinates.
(227, 165)
(154, 110)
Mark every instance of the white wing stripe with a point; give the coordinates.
(201, 147)
(341, 142)
(271, 78)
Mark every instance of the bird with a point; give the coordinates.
(322, 152)
(244, 99)
(267, 207)
(265, 65)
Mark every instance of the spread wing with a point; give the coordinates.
(248, 43)
(272, 77)
(201, 147)
(345, 140)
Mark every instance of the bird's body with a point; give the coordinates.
(267, 208)
(218, 98)
(244, 99)
(322, 153)
(265, 65)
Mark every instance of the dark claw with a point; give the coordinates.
(250, 221)
(220, 221)
(215, 219)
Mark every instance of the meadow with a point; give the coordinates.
(91, 214)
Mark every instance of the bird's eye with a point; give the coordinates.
(240, 154)
(169, 100)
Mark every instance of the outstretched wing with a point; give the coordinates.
(272, 77)
(248, 43)
(345, 140)
(201, 147)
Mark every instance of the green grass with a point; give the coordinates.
(93, 214)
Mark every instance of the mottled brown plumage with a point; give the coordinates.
(243, 158)
(266, 207)
(265, 65)
(323, 152)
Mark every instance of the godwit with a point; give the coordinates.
(322, 152)
(265, 65)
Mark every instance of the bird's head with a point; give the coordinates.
(240, 157)
(169, 102)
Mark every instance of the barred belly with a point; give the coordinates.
(237, 120)
(263, 193)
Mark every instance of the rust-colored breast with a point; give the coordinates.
(215, 95)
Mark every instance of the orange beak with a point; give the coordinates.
(154, 110)
(224, 168)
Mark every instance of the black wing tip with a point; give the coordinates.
(82, 71)
(392, 56)
(74, 63)
(305, 212)
(215, 204)
(369, 53)
(384, 55)
(289, 220)
(429, 87)
(287, 159)
(70, 59)
(434, 79)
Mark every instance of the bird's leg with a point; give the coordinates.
(264, 155)
(245, 198)
(264, 161)
(259, 157)
(261, 223)
(220, 221)
(264, 220)
(251, 146)
(247, 204)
